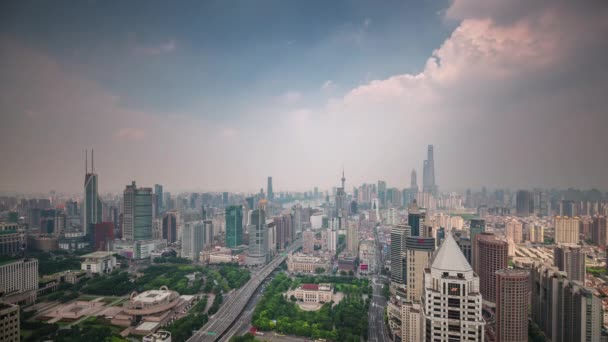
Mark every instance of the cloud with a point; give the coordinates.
(153, 50)
(328, 86)
(290, 97)
(130, 134)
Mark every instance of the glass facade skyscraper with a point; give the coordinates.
(234, 226)
(137, 213)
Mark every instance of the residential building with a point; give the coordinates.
(193, 239)
(9, 323)
(512, 300)
(398, 271)
(567, 229)
(308, 241)
(514, 231)
(493, 256)
(19, 281)
(418, 252)
(570, 258)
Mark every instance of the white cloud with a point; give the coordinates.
(130, 134)
(290, 97)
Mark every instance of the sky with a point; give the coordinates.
(219, 95)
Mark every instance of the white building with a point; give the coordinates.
(159, 336)
(99, 262)
(193, 240)
(367, 257)
(452, 303)
(19, 281)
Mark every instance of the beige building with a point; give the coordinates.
(411, 322)
(9, 322)
(99, 262)
(314, 293)
(536, 234)
(418, 254)
(514, 231)
(302, 263)
(567, 229)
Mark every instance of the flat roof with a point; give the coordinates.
(147, 326)
(152, 296)
(98, 254)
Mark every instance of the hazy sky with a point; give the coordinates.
(218, 95)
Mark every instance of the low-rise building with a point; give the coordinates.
(314, 293)
(301, 263)
(159, 336)
(99, 262)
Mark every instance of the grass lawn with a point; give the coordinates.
(86, 298)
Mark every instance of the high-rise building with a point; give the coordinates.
(413, 181)
(418, 253)
(158, 196)
(570, 258)
(415, 219)
(269, 191)
(308, 241)
(524, 204)
(258, 246)
(512, 296)
(352, 237)
(514, 231)
(234, 226)
(492, 256)
(382, 193)
(137, 213)
(193, 240)
(477, 226)
(9, 323)
(398, 271)
(92, 206)
(19, 281)
(567, 229)
(104, 236)
(564, 310)
(169, 228)
(451, 301)
(599, 231)
(428, 174)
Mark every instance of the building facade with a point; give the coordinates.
(19, 281)
(512, 300)
(418, 255)
(398, 271)
(492, 256)
(567, 229)
(137, 213)
(234, 226)
(9, 323)
(570, 258)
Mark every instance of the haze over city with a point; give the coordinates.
(216, 96)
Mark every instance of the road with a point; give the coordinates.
(376, 329)
(228, 313)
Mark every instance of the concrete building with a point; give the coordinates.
(137, 213)
(258, 244)
(234, 226)
(411, 322)
(452, 303)
(493, 256)
(169, 228)
(159, 336)
(193, 240)
(514, 231)
(570, 258)
(398, 271)
(367, 257)
(567, 229)
(11, 242)
(536, 234)
(19, 281)
(308, 241)
(99, 262)
(418, 253)
(352, 237)
(92, 205)
(314, 293)
(566, 311)
(524, 203)
(302, 263)
(512, 300)
(9, 323)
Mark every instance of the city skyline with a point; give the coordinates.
(484, 84)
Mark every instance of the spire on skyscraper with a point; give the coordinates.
(343, 178)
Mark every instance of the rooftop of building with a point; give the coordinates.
(449, 257)
(153, 296)
(98, 255)
(316, 287)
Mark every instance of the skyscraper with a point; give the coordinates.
(418, 253)
(92, 206)
(158, 193)
(428, 175)
(477, 226)
(514, 231)
(169, 229)
(398, 271)
(570, 258)
(193, 240)
(352, 237)
(234, 226)
(258, 246)
(137, 213)
(413, 181)
(492, 256)
(415, 219)
(512, 294)
(269, 189)
(382, 193)
(308, 241)
(451, 284)
(524, 203)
